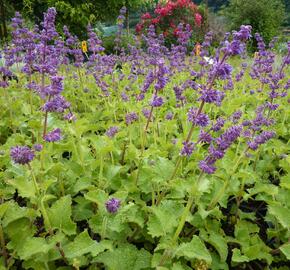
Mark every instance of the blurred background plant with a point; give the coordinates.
(270, 18)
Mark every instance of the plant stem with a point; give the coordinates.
(166, 254)
(179, 159)
(34, 180)
(104, 227)
(227, 181)
(149, 119)
(45, 216)
(10, 109)
(3, 246)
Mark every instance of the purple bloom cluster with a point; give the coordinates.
(187, 149)
(218, 124)
(156, 101)
(53, 136)
(112, 205)
(70, 117)
(131, 117)
(217, 150)
(146, 112)
(57, 104)
(261, 139)
(112, 131)
(198, 119)
(169, 116)
(211, 96)
(204, 137)
(21, 154)
(38, 147)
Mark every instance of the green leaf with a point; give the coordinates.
(15, 212)
(111, 171)
(195, 249)
(281, 213)
(164, 168)
(164, 218)
(238, 257)
(34, 246)
(219, 243)
(132, 213)
(286, 250)
(99, 197)
(24, 187)
(60, 216)
(83, 244)
(126, 257)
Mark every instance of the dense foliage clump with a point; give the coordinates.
(150, 158)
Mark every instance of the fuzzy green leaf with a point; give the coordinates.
(195, 249)
(164, 218)
(126, 257)
(60, 216)
(281, 213)
(83, 244)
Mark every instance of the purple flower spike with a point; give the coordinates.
(169, 116)
(224, 71)
(131, 117)
(245, 32)
(206, 168)
(187, 149)
(70, 117)
(201, 119)
(53, 136)
(204, 137)
(157, 101)
(112, 205)
(38, 147)
(112, 131)
(21, 154)
(219, 124)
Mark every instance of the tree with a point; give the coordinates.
(265, 17)
(76, 14)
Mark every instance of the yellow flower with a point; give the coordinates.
(84, 47)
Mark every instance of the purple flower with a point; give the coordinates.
(204, 137)
(228, 137)
(206, 168)
(112, 205)
(187, 149)
(211, 96)
(146, 112)
(244, 33)
(272, 107)
(70, 117)
(236, 116)
(21, 154)
(124, 96)
(56, 86)
(200, 119)
(261, 139)
(219, 124)
(215, 152)
(169, 116)
(131, 117)
(57, 104)
(156, 101)
(112, 131)
(53, 136)
(224, 71)
(38, 147)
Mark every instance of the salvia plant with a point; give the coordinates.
(150, 158)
